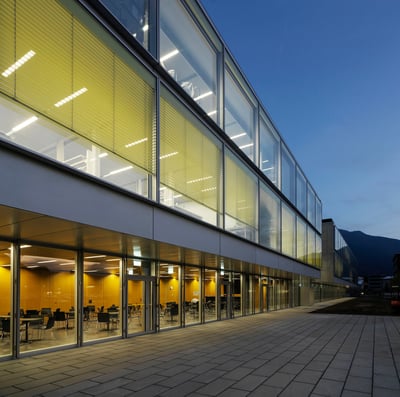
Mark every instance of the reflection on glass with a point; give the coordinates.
(311, 210)
(5, 298)
(239, 116)
(133, 15)
(47, 297)
(187, 56)
(311, 246)
(269, 152)
(170, 307)
(101, 296)
(192, 298)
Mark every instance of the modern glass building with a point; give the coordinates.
(144, 185)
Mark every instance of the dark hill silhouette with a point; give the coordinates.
(374, 254)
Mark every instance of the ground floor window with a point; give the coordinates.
(54, 297)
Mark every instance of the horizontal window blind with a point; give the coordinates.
(7, 47)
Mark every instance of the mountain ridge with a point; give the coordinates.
(374, 253)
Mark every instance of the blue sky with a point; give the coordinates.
(328, 73)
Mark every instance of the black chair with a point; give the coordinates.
(5, 327)
(59, 317)
(104, 317)
(44, 327)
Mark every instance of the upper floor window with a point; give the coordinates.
(133, 15)
(188, 56)
(288, 175)
(269, 152)
(239, 116)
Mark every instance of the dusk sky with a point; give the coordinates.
(328, 73)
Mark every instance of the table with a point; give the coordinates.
(26, 321)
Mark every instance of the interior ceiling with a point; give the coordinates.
(33, 228)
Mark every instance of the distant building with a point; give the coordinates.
(339, 265)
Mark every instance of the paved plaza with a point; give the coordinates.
(286, 353)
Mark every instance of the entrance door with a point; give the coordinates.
(264, 298)
(141, 298)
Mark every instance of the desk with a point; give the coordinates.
(26, 321)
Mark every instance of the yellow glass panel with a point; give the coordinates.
(134, 108)
(93, 65)
(240, 192)
(7, 47)
(46, 77)
(189, 159)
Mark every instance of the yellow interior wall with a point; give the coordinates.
(210, 288)
(39, 288)
(169, 290)
(192, 290)
(135, 292)
(101, 290)
(5, 295)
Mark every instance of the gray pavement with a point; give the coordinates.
(287, 353)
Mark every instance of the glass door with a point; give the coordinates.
(141, 297)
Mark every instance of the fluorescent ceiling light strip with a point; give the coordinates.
(265, 161)
(212, 113)
(268, 169)
(118, 171)
(202, 96)
(168, 155)
(112, 260)
(95, 256)
(23, 125)
(111, 268)
(32, 266)
(209, 189)
(135, 143)
(246, 146)
(48, 261)
(169, 55)
(25, 58)
(238, 135)
(101, 155)
(70, 97)
(200, 179)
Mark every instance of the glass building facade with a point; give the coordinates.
(140, 101)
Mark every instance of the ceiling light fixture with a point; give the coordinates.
(202, 96)
(238, 135)
(70, 97)
(169, 55)
(246, 146)
(118, 171)
(22, 125)
(164, 156)
(25, 58)
(200, 179)
(135, 143)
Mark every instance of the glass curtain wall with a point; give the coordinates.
(301, 192)
(190, 163)
(210, 295)
(101, 296)
(270, 218)
(101, 99)
(269, 151)
(47, 297)
(301, 246)
(192, 295)
(169, 295)
(6, 262)
(188, 56)
(311, 205)
(240, 199)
